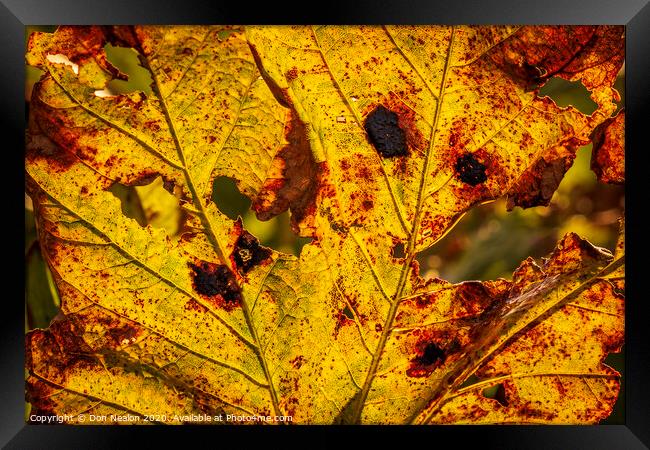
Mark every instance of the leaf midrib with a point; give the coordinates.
(213, 236)
(410, 254)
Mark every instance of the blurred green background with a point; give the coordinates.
(487, 243)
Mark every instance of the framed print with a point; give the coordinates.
(408, 220)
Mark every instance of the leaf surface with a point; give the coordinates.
(374, 138)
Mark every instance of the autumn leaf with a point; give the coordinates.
(608, 161)
(375, 138)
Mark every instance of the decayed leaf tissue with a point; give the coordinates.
(376, 140)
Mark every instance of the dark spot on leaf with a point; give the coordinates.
(470, 170)
(428, 359)
(431, 355)
(385, 133)
(217, 283)
(248, 252)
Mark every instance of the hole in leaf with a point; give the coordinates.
(151, 204)
(228, 199)
(275, 233)
(126, 60)
(41, 296)
(619, 85)
(62, 59)
(472, 379)
(617, 362)
(489, 242)
(347, 312)
(497, 393)
(398, 250)
(161, 208)
(131, 206)
(569, 93)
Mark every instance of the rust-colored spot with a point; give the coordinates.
(384, 132)
(217, 284)
(193, 305)
(292, 73)
(343, 318)
(470, 170)
(297, 362)
(248, 252)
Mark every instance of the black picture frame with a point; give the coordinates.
(635, 14)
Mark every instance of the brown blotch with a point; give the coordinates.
(297, 186)
(406, 122)
(384, 132)
(536, 186)
(217, 284)
(40, 146)
(470, 170)
(123, 335)
(248, 252)
(429, 356)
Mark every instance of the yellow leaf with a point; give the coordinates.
(377, 139)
